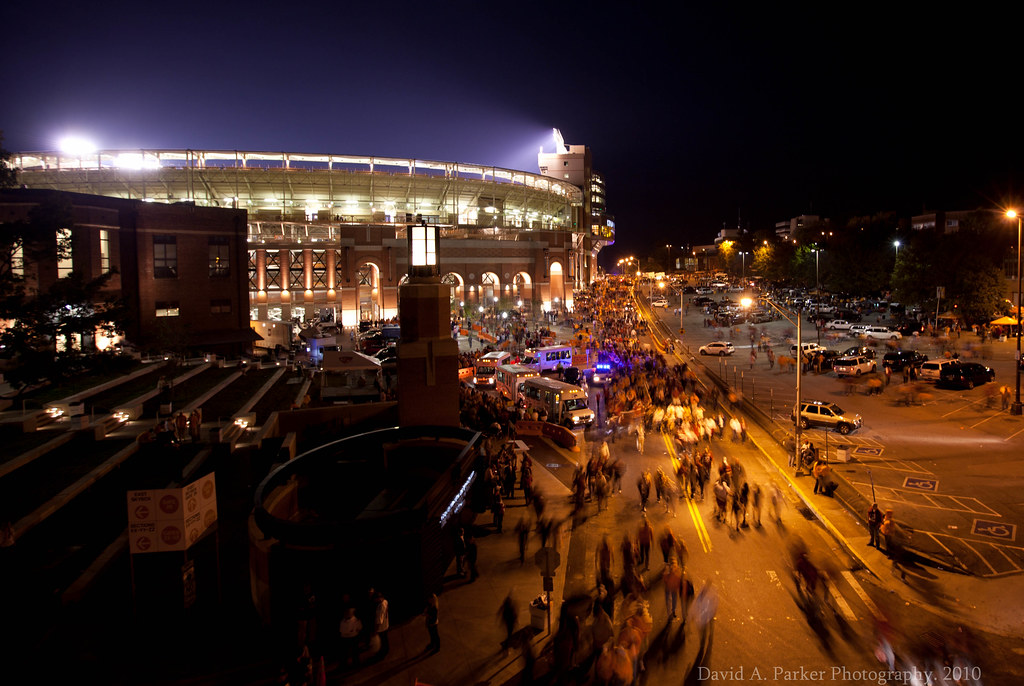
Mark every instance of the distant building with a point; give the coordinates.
(786, 229)
(947, 222)
(181, 268)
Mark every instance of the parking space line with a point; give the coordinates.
(986, 419)
(934, 500)
(1013, 564)
(957, 498)
(1013, 435)
(967, 542)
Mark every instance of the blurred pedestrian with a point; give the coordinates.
(874, 522)
(431, 615)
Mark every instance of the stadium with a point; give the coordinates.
(327, 234)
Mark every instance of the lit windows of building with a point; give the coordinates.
(165, 256)
(220, 257)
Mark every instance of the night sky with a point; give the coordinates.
(697, 116)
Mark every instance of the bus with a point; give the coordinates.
(485, 366)
(562, 403)
(509, 377)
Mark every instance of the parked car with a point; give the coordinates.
(898, 359)
(860, 351)
(965, 375)
(838, 325)
(853, 366)
(808, 348)
(932, 369)
(828, 358)
(660, 302)
(829, 415)
(717, 348)
(882, 333)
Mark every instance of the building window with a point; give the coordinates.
(273, 261)
(220, 257)
(104, 251)
(64, 261)
(253, 281)
(296, 271)
(319, 269)
(220, 306)
(167, 309)
(18, 262)
(165, 257)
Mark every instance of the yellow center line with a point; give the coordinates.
(698, 521)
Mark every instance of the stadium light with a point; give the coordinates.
(76, 145)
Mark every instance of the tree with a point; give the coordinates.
(8, 174)
(49, 327)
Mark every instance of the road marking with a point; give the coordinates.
(1006, 532)
(844, 607)
(920, 484)
(1013, 435)
(864, 597)
(698, 522)
(967, 544)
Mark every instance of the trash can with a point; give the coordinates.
(538, 613)
(842, 453)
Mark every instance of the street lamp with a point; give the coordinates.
(798, 433)
(743, 258)
(896, 244)
(1015, 408)
(817, 296)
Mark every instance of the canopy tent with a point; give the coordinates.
(949, 314)
(1003, 321)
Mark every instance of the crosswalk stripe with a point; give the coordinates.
(865, 598)
(844, 607)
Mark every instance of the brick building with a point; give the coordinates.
(180, 268)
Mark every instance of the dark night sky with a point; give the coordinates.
(694, 114)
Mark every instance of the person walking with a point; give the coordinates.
(350, 629)
(508, 613)
(644, 539)
(431, 614)
(382, 624)
(874, 523)
(672, 576)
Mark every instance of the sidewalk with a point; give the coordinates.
(468, 610)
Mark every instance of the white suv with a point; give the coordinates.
(808, 348)
(932, 369)
(882, 333)
(853, 366)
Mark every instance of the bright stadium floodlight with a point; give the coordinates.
(76, 145)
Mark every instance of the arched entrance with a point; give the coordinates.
(368, 292)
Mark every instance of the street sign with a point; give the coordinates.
(548, 560)
(549, 583)
(982, 527)
(921, 484)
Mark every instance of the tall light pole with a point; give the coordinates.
(896, 244)
(1015, 408)
(817, 298)
(743, 259)
(798, 433)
